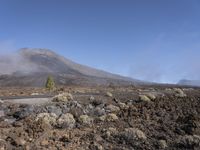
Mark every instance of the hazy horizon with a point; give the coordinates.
(154, 40)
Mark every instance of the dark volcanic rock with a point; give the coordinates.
(25, 112)
(168, 122)
(54, 109)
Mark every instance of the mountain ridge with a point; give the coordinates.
(37, 64)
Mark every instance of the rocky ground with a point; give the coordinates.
(118, 118)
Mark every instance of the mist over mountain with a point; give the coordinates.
(30, 67)
(12, 63)
(189, 82)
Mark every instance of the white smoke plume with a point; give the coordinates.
(11, 61)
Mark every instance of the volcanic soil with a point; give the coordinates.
(98, 118)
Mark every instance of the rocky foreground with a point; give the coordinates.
(103, 118)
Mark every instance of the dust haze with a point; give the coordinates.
(158, 69)
(11, 63)
(153, 64)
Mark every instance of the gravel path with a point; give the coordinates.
(31, 101)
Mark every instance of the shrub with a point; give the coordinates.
(50, 84)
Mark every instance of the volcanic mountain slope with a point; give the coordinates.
(30, 67)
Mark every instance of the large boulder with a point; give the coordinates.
(48, 118)
(63, 97)
(23, 113)
(66, 121)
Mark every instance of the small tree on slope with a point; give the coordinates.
(50, 84)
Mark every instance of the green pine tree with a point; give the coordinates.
(50, 84)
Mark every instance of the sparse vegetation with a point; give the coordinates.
(50, 83)
(179, 93)
(131, 119)
(144, 98)
(109, 94)
(85, 119)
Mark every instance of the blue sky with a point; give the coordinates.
(152, 40)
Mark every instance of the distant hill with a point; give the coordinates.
(30, 67)
(189, 82)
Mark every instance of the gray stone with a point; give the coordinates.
(54, 109)
(75, 104)
(65, 109)
(24, 112)
(99, 111)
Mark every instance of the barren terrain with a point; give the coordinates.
(84, 118)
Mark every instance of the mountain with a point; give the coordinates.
(189, 82)
(30, 67)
